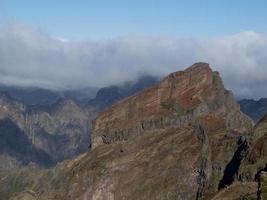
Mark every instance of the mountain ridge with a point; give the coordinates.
(60, 130)
(176, 140)
(256, 109)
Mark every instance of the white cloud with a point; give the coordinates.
(31, 57)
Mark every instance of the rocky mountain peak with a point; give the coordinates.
(200, 66)
(183, 138)
(195, 95)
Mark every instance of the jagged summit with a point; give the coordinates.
(183, 138)
(198, 66)
(181, 98)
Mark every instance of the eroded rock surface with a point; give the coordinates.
(175, 140)
(184, 97)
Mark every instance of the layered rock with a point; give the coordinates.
(184, 97)
(184, 138)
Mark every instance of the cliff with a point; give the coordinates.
(184, 138)
(185, 97)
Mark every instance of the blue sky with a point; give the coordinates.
(99, 19)
(68, 44)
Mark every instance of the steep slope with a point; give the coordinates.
(252, 177)
(15, 144)
(59, 130)
(181, 98)
(195, 98)
(256, 160)
(183, 138)
(255, 109)
(43, 135)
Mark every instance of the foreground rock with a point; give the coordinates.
(184, 138)
(256, 158)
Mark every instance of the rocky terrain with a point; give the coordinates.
(42, 135)
(184, 138)
(39, 127)
(251, 176)
(256, 109)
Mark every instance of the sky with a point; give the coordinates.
(73, 44)
(102, 19)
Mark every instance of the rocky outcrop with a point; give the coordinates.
(256, 160)
(194, 97)
(185, 97)
(175, 140)
(251, 180)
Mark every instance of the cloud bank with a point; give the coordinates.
(29, 57)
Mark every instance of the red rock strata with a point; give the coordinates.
(180, 99)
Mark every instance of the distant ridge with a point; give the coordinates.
(256, 109)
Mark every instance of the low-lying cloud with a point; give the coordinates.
(30, 57)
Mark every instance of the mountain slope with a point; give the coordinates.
(251, 179)
(15, 144)
(59, 130)
(183, 138)
(43, 135)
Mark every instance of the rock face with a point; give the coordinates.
(256, 159)
(196, 94)
(43, 135)
(184, 138)
(193, 99)
(251, 175)
(34, 129)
